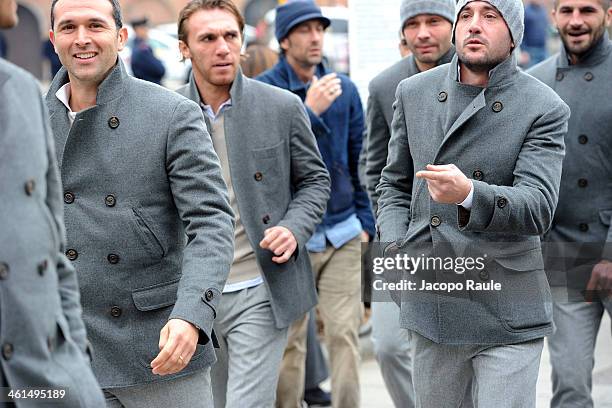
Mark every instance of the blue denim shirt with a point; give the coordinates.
(339, 133)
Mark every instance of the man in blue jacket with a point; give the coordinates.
(145, 65)
(336, 115)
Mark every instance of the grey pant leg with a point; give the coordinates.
(506, 376)
(253, 348)
(441, 373)
(392, 351)
(572, 349)
(316, 366)
(190, 391)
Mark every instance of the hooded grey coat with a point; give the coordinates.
(150, 228)
(513, 155)
(43, 338)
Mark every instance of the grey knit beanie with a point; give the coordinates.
(512, 11)
(442, 8)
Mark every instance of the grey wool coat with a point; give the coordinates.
(380, 114)
(279, 178)
(585, 198)
(43, 342)
(149, 225)
(513, 156)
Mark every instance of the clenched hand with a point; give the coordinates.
(446, 183)
(177, 341)
(281, 242)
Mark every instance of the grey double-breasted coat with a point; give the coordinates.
(43, 342)
(149, 225)
(279, 178)
(508, 138)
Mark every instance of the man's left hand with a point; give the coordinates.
(281, 242)
(446, 183)
(177, 342)
(601, 281)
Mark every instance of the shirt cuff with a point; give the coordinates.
(467, 203)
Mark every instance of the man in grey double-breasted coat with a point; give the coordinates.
(43, 343)
(578, 244)
(278, 189)
(426, 28)
(147, 215)
(471, 120)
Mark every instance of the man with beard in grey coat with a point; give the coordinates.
(427, 30)
(579, 243)
(149, 224)
(471, 120)
(43, 339)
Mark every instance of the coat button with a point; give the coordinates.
(72, 254)
(483, 275)
(110, 200)
(502, 202)
(583, 227)
(4, 271)
(258, 176)
(560, 76)
(478, 175)
(266, 219)
(583, 139)
(113, 122)
(7, 351)
(582, 183)
(68, 197)
(442, 96)
(115, 311)
(42, 267)
(209, 295)
(30, 185)
(588, 76)
(498, 107)
(435, 221)
(113, 259)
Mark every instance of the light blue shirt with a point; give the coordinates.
(337, 235)
(208, 110)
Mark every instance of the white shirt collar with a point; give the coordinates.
(63, 94)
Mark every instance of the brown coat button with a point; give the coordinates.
(582, 183)
(498, 107)
(7, 351)
(583, 227)
(483, 275)
(72, 254)
(30, 185)
(68, 197)
(113, 259)
(4, 271)
(560, 76)
(588, 76)
(113, 122)
(478, 175)
(435, 221)
(258, 176)
(502, 202)
(583, 139)
(209, 295)
(266, 219)
(115, 311)
(110, 200)
(42, 267)
(442, 96)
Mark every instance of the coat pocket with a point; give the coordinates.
(145, 230)
(524, 301)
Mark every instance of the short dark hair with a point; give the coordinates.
(604, 3)
(116, 13)
(197, 5)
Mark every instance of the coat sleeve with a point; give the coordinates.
(360, 196)
(201, 198)
(377, 140)
(527, 207)
(309, 179)
(67, 278)
(396, 180)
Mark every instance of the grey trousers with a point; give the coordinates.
(393, 354)
(503, 376)
(572, 349)
(251, 350)
(190, 391)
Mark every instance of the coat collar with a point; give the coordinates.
(502, 74)
(294, 82)
(595, 56)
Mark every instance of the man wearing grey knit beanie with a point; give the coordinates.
(426, 26)
(472, 172)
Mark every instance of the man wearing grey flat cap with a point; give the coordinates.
(471, 122)
(426, 26)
